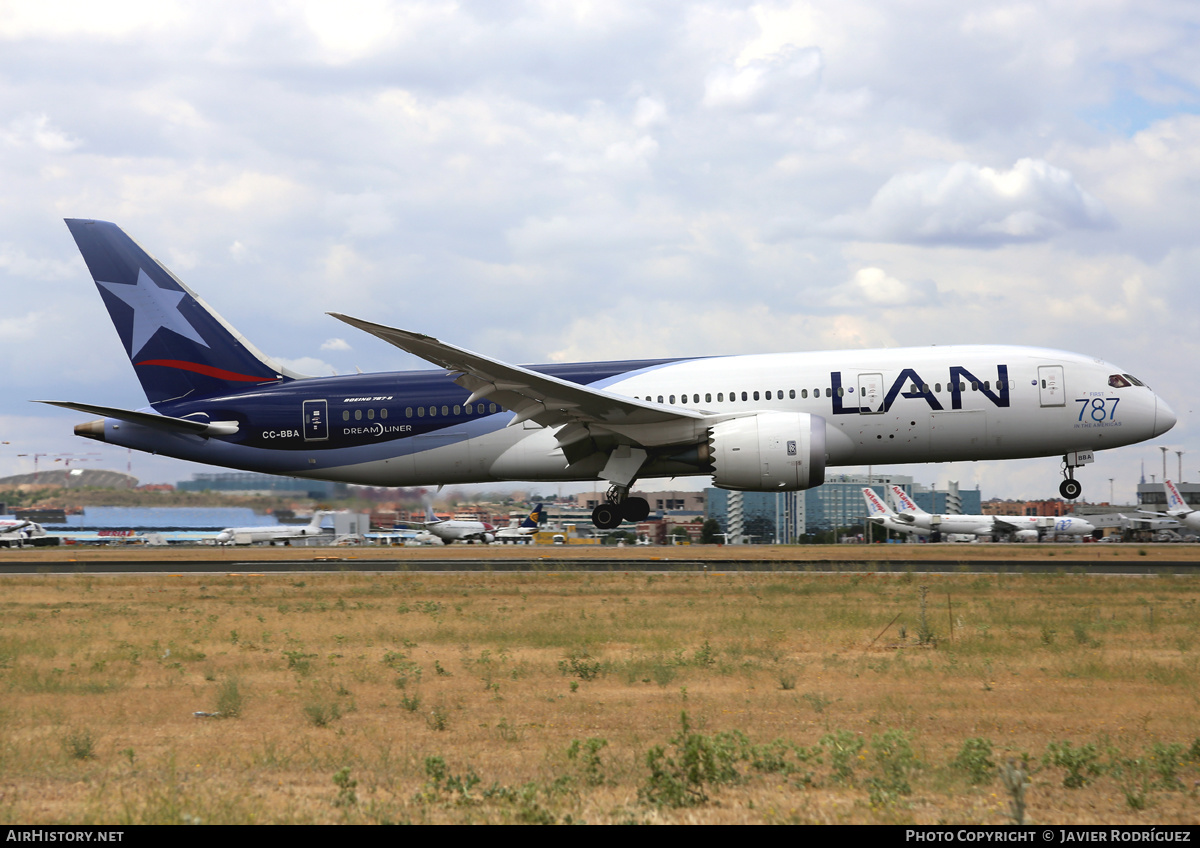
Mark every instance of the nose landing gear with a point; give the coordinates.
(1070, 488)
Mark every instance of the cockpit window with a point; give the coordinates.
(1133, 379)
(1118, 381)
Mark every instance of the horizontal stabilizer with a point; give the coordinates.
(150, 419)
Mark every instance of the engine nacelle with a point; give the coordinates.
(769, 452)
(1026, 535)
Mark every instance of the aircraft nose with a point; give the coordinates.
(1164, 416)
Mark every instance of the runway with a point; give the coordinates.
(149, 564)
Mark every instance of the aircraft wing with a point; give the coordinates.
(1006, 526)
(547, 400)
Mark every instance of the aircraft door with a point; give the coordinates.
(1051, 388)
(316, 420)
(871, 393)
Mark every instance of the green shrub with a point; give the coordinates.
(975, 760)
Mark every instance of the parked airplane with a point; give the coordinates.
(455, 529)
(277, 533)
(1019, 526)
(1178, 512)
(17, 533)
(768, 422)
(523, 531)
(882, 515)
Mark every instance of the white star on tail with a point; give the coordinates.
(153, 309)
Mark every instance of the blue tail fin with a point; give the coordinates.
(178, 346)
(534, 518)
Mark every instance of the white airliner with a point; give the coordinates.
(1177, 509)
(17, 533)
(455, 529)
(278, 533)
(765, 422)
(523, 531)
(882, 515)
(1025, 527)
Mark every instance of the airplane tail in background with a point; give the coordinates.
(178, 346)
(876, 508)
(534, 518)
(1176, 505)
(904, 503)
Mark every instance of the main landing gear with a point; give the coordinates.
(618, 507)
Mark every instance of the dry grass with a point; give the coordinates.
(349, 686)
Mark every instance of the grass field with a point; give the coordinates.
(620, 697)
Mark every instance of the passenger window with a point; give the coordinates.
(358, 415)
(792, 394)
(408, 412)
(660, 400)
(768, 395)
(745, 396)
(445, 410)
(974, 385)
(756, 395)
(492, 407)
(937, 387)
(804, 394)
(457, 410)
(345, 415)
(1043, 384)
(708, 397)
(383, 413)
(420, 412)
(841, 392)
(672, 397)
(720, 397)
(829, 393)
(469, 410)
(432, 411)
(370, 415)
(925, 388)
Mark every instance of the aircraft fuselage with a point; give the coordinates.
(880, 407)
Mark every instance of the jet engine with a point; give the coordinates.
(1026, 535)
(768, 452)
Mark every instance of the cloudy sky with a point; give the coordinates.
(548, 181)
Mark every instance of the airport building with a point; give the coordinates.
(762, 517)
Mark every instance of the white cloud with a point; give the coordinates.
(970, 204)
(37, 130)
(763, 82)
(874, 287)
(335, 344)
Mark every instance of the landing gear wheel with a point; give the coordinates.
(606, 516)
(634, 510)
(1070, 489)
